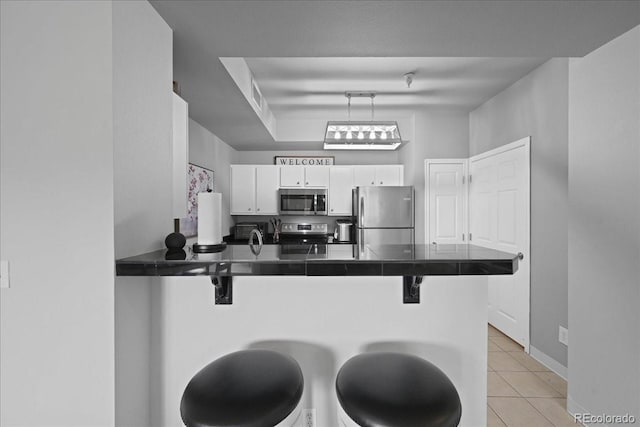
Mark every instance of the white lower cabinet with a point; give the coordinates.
(340, 185)
(254, 190)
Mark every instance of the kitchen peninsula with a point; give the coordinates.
(323, 260)
(322, 304)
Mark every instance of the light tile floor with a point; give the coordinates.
(521, 391)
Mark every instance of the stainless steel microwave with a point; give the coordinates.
(302, 201)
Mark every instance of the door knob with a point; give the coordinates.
(520, 256)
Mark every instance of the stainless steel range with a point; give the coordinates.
(292, 232)
(303, 240)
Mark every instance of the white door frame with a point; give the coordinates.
(465, 172)
(526, 143)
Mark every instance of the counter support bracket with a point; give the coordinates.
(411, 289)
(223, 287)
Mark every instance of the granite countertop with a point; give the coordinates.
(268, 240)
(323, 260)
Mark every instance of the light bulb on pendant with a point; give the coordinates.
(337, 135)
(372, 135)
(383, 135)
(349, 136)
(360, 135)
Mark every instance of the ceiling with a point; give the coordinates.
(315, 87)
(305, 54)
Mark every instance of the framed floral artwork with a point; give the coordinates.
(200, 180)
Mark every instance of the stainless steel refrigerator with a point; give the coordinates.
(384, 215)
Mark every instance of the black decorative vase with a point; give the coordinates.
(175, 241)
(175, 254)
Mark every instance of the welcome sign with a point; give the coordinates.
(303, 160)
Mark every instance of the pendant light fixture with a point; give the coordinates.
(361, 135)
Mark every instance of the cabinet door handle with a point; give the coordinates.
(297, 182)
(372, 182)
(306, 183)
(258, 210)
(331, 210)
(249, 208)
(381, 183)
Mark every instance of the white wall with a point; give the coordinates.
(604, 230)
(242, 76)
(321, 322)
(57, 320)
(142, 76)
(209, 151)
(438, 135)
(537, 106)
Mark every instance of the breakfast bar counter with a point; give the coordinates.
(321, 304)
(323, 260)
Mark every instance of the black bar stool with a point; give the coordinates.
(393, 389)
(249, 388)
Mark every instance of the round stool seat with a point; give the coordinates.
(249, 388)
(392, 389)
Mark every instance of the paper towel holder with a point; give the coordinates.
(207, 249)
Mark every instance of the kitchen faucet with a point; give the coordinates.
(255, 232)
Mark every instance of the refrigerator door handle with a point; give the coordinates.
(361, 212)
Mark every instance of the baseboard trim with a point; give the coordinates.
(549, 362)
(573, 408)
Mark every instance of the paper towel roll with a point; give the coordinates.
(209, 218)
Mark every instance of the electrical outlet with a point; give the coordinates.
(4, 274)
(309, 417)
(563, 335)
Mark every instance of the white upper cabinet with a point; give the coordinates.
(304, 176)
(292, 176)
(254, 190)
(340, 185)
(180, 157)
(243, 189)
(316, 176)
(267, 184)
(364, 175)
(378, 175)
(389, 175)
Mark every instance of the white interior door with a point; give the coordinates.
(499, 218)
(446, 201)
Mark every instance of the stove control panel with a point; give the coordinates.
(303, 228)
